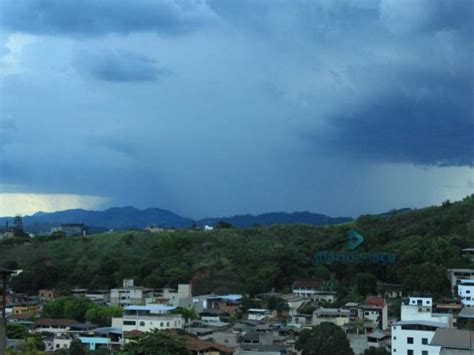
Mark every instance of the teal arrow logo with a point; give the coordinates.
(354, 239)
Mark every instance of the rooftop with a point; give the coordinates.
(150, 308)
(454, 339)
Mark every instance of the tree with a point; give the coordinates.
(223, 225)
(102, 316)
(156, 343)
(68, 307)
(77, 348)
(16, 331)
(364, 283)
(324, 339)
(187, 313)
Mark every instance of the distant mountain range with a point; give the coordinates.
(133, 218)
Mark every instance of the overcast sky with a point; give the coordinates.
(211, 108)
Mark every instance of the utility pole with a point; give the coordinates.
(4, 274)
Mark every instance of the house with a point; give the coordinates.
(26, 307)
(47, 325)
(307, 288)
(375, 313)
(337, 316)
(456, 275)
(79, 292)
(300, 320)
(204, 347)
(258, 314)
(466, 292)
(388, 290)
(146, 318)
(47, 295)
(227, 303)
(181, 297)
(130, 294)
(378, 339)
(228, 338)
(98, 296)
(61, 341)
(454, 341)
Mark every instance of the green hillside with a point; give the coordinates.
(426, 242)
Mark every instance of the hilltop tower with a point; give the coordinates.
(18, 226)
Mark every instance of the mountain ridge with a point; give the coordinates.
(129, 217)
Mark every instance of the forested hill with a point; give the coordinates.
(121, 218)
(425, 242)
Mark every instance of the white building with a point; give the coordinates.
(307, 288)
(466, 292)
(258, 313)
(146, 318)
(413, 337)
(456, 275)
(181, 297)
(413, 333)
(130, 294)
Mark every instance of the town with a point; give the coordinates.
(268, 324)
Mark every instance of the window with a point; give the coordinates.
(142, 324)
(424, 352)
(409, 352)
(424, 341)
(410, 340)
(468, 291)
(129, 322)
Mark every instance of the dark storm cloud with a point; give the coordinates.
(92, 17)
(118, 66)
(379, 87)
(417, 109)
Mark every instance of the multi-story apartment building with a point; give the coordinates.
(412, 335)
(130, 294)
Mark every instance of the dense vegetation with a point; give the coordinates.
(426, 242)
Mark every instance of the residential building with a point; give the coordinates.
(375, 313)
(98, 296)
(378, 339)
(466, 292)
(307, 288)
(258, 314)
(456, 275)
(387, 290)
(337, 316)
(47, 325)
(182, 297)
(325, 296)
(146, 318)
(130, 294)
(47, 295)
(413, 337)
(413, 333)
